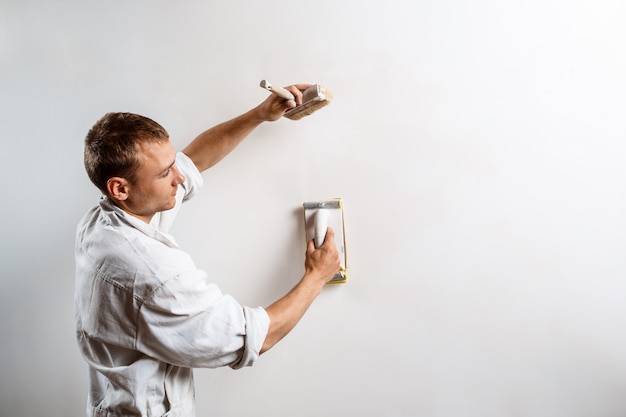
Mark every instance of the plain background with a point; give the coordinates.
(479, 148)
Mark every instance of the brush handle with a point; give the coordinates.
(321, 226)
(279, 91)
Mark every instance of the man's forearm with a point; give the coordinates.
(321, 264)
(286, 312)
(212, 145)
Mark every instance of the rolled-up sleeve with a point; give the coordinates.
(188, 189)
(188, 322)
(257, 325)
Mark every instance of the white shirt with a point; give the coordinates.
(145, 315)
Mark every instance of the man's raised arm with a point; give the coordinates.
(212, 145)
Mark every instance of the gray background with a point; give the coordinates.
(478, 147)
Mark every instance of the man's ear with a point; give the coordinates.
(118, 188)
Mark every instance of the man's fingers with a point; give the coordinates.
(330, 237)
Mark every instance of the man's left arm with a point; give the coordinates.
(212, 145)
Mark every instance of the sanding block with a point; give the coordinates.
(318, 216)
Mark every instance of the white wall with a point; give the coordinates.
(478, 147)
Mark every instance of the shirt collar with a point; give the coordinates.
(120, 217)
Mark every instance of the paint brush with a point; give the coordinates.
(313, 99)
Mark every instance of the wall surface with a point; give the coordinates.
(479, 149)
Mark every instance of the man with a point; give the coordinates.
(145, 315)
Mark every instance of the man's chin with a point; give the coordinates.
(170, 206)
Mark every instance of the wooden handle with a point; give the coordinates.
(279, 91)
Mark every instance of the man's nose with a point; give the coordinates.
(180, 178)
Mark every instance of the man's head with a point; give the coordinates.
(112, 146)
(130, 158)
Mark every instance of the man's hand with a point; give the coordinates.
(323, 262)
(274, 106)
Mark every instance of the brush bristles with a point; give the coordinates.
(322, 98)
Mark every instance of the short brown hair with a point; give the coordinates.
(112, 143)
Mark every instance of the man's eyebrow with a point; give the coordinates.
(168, 167)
